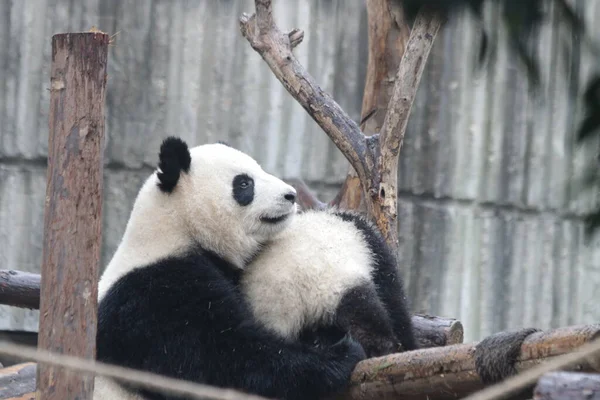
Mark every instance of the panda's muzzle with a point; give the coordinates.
(274, 220)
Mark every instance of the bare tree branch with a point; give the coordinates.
(388, 34)
(375, 160)
(275, 47)
(264, 14)
(408, 77)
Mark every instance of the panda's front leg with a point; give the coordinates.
(364, 315)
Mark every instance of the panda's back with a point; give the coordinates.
(299, 279)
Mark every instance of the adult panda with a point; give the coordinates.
(168, 299)
(331, 268)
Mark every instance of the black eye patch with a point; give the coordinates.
(243, 189)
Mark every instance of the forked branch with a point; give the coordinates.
(408, 77)
(374, 159)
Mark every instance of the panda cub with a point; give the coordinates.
(331, 268)
(169, 301)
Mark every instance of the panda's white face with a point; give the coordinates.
(213, 196)
(227, 198)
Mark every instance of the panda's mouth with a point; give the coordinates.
(274, 220)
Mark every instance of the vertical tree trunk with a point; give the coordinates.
(388, 34)
(73, 210)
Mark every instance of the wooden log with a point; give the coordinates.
(73, 210)
(21, 289)
(18, 382)
(568, 386)
(449, 372)
(430, 331)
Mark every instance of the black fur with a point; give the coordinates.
(495, 356)
(182, 317)
(387, 280)
(363, 314)
(173, 158)
(243, 189)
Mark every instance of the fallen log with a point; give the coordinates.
(568, 386)
(450, 372)
(18, 382)
(22, 289)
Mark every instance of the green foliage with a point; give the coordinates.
(522, 19)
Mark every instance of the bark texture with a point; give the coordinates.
(73, 209)
(449, 372)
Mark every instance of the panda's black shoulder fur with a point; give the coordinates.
(387, 279)
(183, 317)
(173, 159)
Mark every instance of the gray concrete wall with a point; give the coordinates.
(490, 231)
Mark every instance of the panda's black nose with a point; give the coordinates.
(291, 197)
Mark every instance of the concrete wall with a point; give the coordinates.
(490, 231)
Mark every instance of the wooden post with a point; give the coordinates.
(73, 210)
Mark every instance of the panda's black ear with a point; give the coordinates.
(173, 158)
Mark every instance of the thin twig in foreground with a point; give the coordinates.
(145, 379)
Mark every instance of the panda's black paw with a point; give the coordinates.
(348, 347)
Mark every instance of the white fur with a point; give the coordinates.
(301, 276)
(107, 389)
(200, 210)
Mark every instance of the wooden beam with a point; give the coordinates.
(20, 289)
(73, 209)
(433, 331)
(450, 373)
(568, 386)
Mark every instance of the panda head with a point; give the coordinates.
(222, 197)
